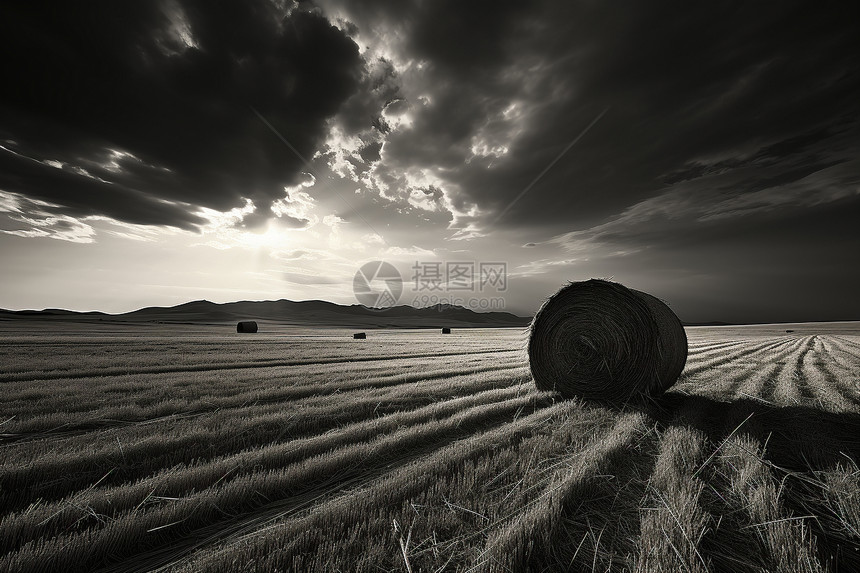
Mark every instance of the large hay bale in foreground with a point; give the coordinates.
(600, 340)
(246, 326)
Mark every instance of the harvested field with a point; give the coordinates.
(195, 449)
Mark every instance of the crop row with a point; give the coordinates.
(148, 526)
(46, 469)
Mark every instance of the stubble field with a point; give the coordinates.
(197, 449)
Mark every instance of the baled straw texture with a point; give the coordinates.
(601, 341)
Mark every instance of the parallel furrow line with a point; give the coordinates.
(525, 539)
(695, 367)
(786, 391)
(821, 383)
(264, 535)
(116, 371)
(78, 469)
(324, 475)
(289, 393)
(110, 501)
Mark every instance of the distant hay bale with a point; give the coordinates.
(789, 330)
(446, 330)
(359, 336)
(601, 341)
(246, 326)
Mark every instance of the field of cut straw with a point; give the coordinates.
(198, 449)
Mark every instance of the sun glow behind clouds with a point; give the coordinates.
(224, 230)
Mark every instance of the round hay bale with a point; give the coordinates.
(246, 326)
(601, 341)
(359, 336)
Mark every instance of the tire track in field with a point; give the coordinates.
(166, 369)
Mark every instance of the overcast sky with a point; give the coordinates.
(153, 153)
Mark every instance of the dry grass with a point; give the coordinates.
(199, 455)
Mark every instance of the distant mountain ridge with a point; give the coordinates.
(303, 313)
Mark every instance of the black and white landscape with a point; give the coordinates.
(337, 286)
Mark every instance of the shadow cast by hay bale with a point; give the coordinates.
(804, 449)
(799, 438)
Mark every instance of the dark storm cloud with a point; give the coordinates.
(691, 89)
(724, 173)
(378, 87)
(494, 92)
(170, 86)
(78, 195)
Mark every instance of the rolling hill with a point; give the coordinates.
(300, 313)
